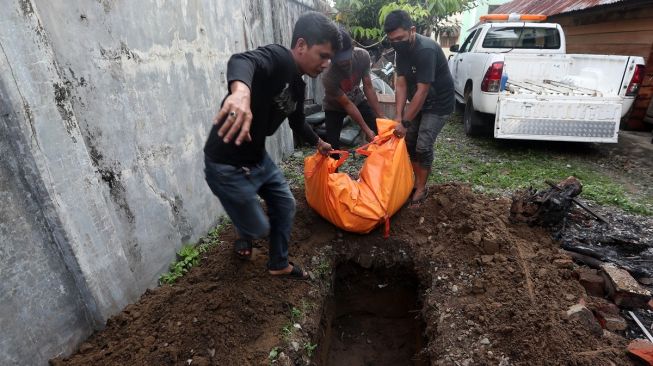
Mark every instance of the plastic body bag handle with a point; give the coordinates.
(344, 154)
(378, 140)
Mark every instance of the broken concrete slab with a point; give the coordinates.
(623, 289)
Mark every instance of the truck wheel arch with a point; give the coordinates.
(469, 87)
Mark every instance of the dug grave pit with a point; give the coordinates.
(373, 318)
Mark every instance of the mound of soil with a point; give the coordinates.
(488, 292)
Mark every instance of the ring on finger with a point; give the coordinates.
(232, 114)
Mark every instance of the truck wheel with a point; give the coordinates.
(472, 119)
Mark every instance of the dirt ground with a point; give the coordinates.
(631, 158)
(455, 284)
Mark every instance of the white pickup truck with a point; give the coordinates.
(516, 77)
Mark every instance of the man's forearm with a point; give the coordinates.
(400, 100)
(373, 100)
(351, 110)
(356, 115)
(415, 105)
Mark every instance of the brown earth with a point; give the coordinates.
(482, 290)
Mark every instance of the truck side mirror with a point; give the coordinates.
(454, 48)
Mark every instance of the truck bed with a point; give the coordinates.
(549, 87)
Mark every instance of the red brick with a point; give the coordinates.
(608, 308)
(643, 349)
(593, 283)
(614, 323)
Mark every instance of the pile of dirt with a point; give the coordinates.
(489, 292)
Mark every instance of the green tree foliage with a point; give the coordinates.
(365, 18)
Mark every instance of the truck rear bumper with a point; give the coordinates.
(558, 119)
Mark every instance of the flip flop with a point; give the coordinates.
(296, 274)
(242, 245)
(417, 202)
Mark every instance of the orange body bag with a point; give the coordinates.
(384, 184)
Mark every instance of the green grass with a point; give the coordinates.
(500, 167)
(189, 254)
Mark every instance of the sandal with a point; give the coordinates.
(297, 274)
(419, 201)
(241, 245)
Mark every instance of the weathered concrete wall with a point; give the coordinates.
(104, 109)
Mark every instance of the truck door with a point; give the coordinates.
(458, 67)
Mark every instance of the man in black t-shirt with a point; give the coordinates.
(265, 87)
(423, 77)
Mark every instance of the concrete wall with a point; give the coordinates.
(104, 109)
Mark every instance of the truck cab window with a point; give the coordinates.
(522, 37)
(467, 45)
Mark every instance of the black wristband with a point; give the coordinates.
(405, 123)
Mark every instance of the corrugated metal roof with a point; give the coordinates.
(550, 7)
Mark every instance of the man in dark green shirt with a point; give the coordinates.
(265, 87)
(423, 77)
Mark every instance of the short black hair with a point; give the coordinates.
(316, 28)
(397, 19)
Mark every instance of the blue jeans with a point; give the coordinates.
(238, 189)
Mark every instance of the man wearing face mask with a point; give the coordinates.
(343, 95)
(423, 77)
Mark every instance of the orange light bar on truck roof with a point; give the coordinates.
(513, 17)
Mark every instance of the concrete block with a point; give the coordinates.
(348, 135)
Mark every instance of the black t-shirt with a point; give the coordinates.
(426, 63)
(277, 92)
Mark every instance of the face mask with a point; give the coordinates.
(401, 46)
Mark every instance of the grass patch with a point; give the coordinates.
(190, 254)
(499, 167)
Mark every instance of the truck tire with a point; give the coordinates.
(473, 120)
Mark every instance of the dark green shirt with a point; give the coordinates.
(426, 63)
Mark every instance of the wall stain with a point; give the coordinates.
(119, 53)
(62, 93)
(106, 4)
(181, 221)
(26, 7)
(117, 192)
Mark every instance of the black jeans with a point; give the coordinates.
(334, 121)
